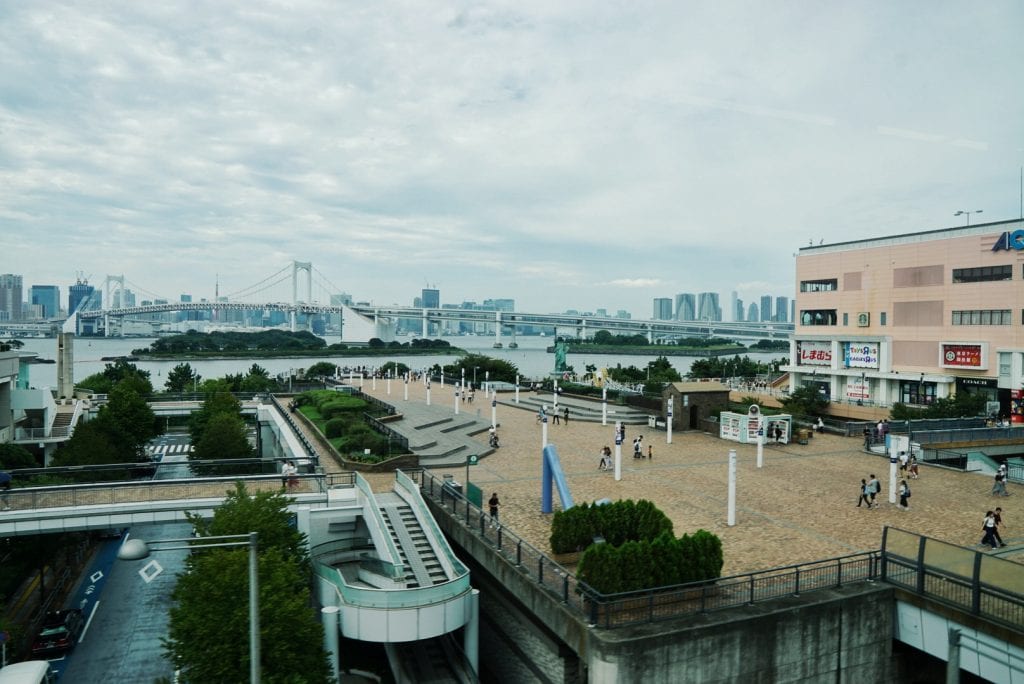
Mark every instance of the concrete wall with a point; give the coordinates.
(841, 635)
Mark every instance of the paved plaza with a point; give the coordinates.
(800, 506)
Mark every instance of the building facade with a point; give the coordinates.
(686, 307)
(10, 297)
(662, 309)
(47, 297)
(914, 317)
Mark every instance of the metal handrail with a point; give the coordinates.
(648, 605)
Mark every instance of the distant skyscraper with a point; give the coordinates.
(10, 297)
(79, 294)
(733, 298)
(48, 297)
(752, 312)
(707, 307)
(622, 313)
(737, 310)
(686, 307)
(766, 307)
(431, 298)
(781, 309)
(500, 304)
(792, 310)
(662, 309)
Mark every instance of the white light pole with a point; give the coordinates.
(517, 389)
(731, 516)
(544, 431)
(962, 212)
(671, 410)
(494, 412)
(137, 549)
(554, 389)
(604, 406)
(618, 451)
(428, 393)
(407, 386)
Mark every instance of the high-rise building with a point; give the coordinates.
(737, 310)
(707, 307)
(48, 297)
(686, 307)
(662, 309)
(766, 307)
(752, 312)
(622, 313)
(10, 297)
(781, 309)
(431, 298)
(81, 295)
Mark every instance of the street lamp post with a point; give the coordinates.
(963, 212)
(137, 549)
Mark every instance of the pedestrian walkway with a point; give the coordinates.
(801, 506)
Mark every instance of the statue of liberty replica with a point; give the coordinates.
(561, 349)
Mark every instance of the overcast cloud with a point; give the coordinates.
(565, 154)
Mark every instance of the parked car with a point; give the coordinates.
(59, 633)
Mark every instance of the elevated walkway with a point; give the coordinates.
(382, 560)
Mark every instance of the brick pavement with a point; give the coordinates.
(801, 506)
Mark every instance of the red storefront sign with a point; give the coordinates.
(814, 353)
(962, 356)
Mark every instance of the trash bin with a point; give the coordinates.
(803, 435)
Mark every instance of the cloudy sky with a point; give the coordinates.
(565, 154)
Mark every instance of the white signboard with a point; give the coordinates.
(857, 390)
(860, 354)
(814, 353)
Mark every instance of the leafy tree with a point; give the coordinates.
(321, 369)
(182, 378)
(128, 420)
(224, 437)
(216, 583)
(806, 400)
(376, 343)
(88, 445)
(218, 400)
(14, 457)
(115, 373)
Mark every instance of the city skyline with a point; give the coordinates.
(568, 156)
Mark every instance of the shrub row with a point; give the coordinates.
(647, 564)
(619, 522)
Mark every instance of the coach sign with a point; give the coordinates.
(972, 355)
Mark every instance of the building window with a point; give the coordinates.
(881, 318)
(982, 274)
(846, 319)
(982, 317)
(827, 285)
(917, 393)
(818, 317)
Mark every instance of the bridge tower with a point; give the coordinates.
(297, 266)
(112, 284)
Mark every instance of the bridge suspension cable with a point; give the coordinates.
(263, 285)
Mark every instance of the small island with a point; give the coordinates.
(605, 342)
(280, 343)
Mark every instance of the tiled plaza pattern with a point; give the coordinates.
(800, 506)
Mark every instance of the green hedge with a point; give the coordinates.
(618, 522)
(646, 564)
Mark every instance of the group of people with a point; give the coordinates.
(990, 526)
(871, 487)
(289, 475)
(908, 465)
(556, 415)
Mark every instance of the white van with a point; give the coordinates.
(28, 672)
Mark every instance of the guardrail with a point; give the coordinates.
(299, 434)
(42, 433)
(652, 605)
(147, 491)
(966, 579)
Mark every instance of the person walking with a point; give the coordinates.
(492, 505)
(864, 497)
(989, 527)
(555, 417)
(913, 467)
(565, 415)
(904, 492)
(998, 515)
(904, 460)
(874, 489)
(999, 482)
(650, 451)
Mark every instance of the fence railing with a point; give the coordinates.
(619, 610)
(149, 491)
(299, 434)
(978, 583)
(61, 432)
